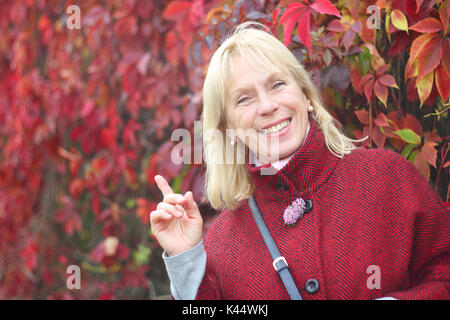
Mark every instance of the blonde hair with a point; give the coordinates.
(226, 185)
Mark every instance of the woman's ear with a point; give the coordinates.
(231, 137)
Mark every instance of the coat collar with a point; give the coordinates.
(311, 165)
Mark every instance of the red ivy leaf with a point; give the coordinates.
(95, 203)
(444, 11)
(144, 207)
(411, 122)
(336, 26)
(368, 88)
(378, 137)
(290, 25)
(418, 4)
(76, 186)
(87, 109)
(416, 48)
(401, 41)
(446, 55)
(29, 254)
(381, 69)
(300, 13)
(427, 26)
(424, 87)
(429, 153)
(363, 116)
(176, 9)
(365, 78)
(357, 27)
(126, 27)
(422, 166)
(387, 80)
(303, 31)
(381, 120)
(291, 9)
(44, 23)
(347, 39)
(442, 82)
(381, 92)
(429, 57)
(72, 224)
(325, 7)
(355, 77)
(197, 12)
(108, 137)
(418, 44)
(293, 12)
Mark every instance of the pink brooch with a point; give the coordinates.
(296, 210)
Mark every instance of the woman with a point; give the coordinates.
(367, 225)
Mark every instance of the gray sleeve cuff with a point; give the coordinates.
(186, 272)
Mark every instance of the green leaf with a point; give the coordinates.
(142, 255)
(409, 136)
(412, 156)
(364, 59)
(407, 150)
(338, 99)
(177, 181)
(130, 203)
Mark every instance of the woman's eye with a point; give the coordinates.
(278, 84)
(242, 100)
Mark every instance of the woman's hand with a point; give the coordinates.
(176, 222)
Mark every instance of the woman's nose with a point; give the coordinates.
(267, 104)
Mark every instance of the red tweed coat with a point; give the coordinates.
(373, 216)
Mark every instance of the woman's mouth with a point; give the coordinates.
(279, 128)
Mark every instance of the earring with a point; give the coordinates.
(232, 142)
(310, 109)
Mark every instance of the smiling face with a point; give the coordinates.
(268, 104)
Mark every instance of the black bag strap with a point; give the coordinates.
(279, 262)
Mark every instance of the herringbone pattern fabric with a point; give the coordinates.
(370, 208)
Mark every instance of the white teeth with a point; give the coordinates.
(276, 128)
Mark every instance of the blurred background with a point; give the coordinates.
(91, 91)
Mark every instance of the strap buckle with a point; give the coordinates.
(280, 258)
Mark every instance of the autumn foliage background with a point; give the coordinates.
(86, 117)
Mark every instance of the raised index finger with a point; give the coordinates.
(163, 185)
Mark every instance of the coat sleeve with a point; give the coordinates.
(427, 224)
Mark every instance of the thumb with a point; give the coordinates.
(190, 205)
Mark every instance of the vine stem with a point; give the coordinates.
(373, 91)
(370, 123)
(440, 168)
(448, 194)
